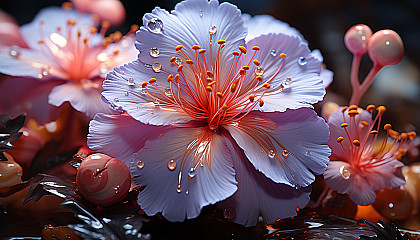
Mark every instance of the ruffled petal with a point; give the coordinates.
(305, 86)
(386, 174)
(258, 195)
(85, 98)
(189, 25)
(287, 147)
(334, 179)
(360, 191)
(18, 95)
(326, 75)
(123, 89)
(264, 24)
(213, 181)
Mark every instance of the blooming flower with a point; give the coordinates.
(218, 119)
(66, 61)
(361, 163)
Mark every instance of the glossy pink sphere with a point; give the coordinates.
(357, 37)
(386, 47)
(112, 11)
(103, 180)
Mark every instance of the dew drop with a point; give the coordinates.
(308, 153)
(131, 82)
(44, 72)
(191, 173)
(273, 53)
(345, 172)
(302, 61)
(126, 93)
(156, 66)
(286, 84)
(156, 103)
(116, 99)
(201, 164)
(14, 51)
(212, 29)
(285, 153)
(235, 124)
(143, 91)
(171, 165)
(271, 154)
(259, 71)
(178, 188)
(154, 52)
(140, 164)
(168, 92)
(297, 187)
(155, 25)
(201, 12)
(117, 189)
(178, 61)
(229, 213)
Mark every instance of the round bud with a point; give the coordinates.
(386, 48)
(357, 37)
(103, 180)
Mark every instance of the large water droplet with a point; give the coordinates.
(171, 165)
(155, 25)
(285, 153)
(156, 66)
(259, 71)
(14, 51)
(212, 29)
(229, 213)
(131, 81)
(178, 188)
(345, 172)
(302, 61)
(273, 53)
(286, 84)
(154, 52)
(271, 154)
(178, 61)
(140, 164)
(191, 173)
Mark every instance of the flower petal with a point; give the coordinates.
(360, 191)
(300, 66)
(121, 92)
(213, 182)
(386, 174)
(300, 132)
(85, 98)
(258, 195)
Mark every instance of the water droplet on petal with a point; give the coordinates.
(156, 103)
(14, 51)
(286, 84)
(191, 173)
(154, 52)
(143, 91)
(156, 66)
(201, 164)
(131, 81)
(297, 187)
(171, 165)
(155, 25)
(308, 153)
(235, 124)
(168, 92)
(178, 188)
(271, 154)
(229, 213)
(201, 12)
(345, 172)
(116, 99)
(273, 53)
(140, 164)
(178, 61)
(126, 93)
(259, 71)
(285, 153)
(212, 29)
(302, 61)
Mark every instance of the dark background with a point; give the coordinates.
(323, 23)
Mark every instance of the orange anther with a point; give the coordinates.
(202, 51)
(209, 89)
(352, 112)
(344, 109)
(242, 49)
(134, 28)
(179, 47)
(189, 61)
(256, 48)
(251, 97)
(105, 24)
(210, 74)
(259, 78)
(170, 78)
(177, 77)
(143, 85)
(364, 123)
(353, 107)
(356, 142)
(412, 135)
(245, 68)
(66, 5)
(219, 94)
(256, 62)
(387, 126)
(116, 52)
(224, 107)
(370, 108)
(340, 139)
(221, 41)
(373, 132)
(266, 85)
(93, 30)
(152, 80)
(179, 69)
(235, 54)
(261, 102)
(172, 60)
(381, 110)
(344, 125)
(195, 47)
(283, 55)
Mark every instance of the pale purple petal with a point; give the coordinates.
(326, 75)
(360, 191)
(85, 98)
(300, 132)
(385, 174)
(258, 195)
(122, 88)
(303, 69)
(213, 182)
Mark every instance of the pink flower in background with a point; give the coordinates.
(361, 163)
(211, 118)
(66, 61)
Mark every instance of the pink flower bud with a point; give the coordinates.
(357, 37)
(103, 180)
(386, 48)
(26, 147)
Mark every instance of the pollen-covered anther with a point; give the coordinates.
(93, 30)
(211, 83)
(344, 125)
(259, 78)
(401, 153)
(116, 52)
(356, 142)
(242, 49)
(394, 134)
(219, 94)
(71, 22)
(224, 107)
(251, 97)
(170, 78)
(189, 61)
(177, 78)
(179, 47)
(209, 89)
(235, 54)
(172, 60)
(387, 126)
(233, 87)
(364, 123)
(353, 107)
(255, 48)
(210, 74)
(41, 22)
(412, 135)
(373, 132)
(404, 135)
(134, 28)
(256, 62)
(105, 24)
(261, 102)
(202, 51)
(195, 47)
(370, 108)
(340, 139)
(242, 72)
(381, 110)
(179, 69)
(344, 109)
(221, 41)
(143, 85)
(85, 40)
(152, 80)
(266, 85)
(283, 55)
(353, 112)
(246, 68)
(41, 42)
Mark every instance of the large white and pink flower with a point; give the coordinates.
(65, 59)
(361, 163)
(211, 118)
